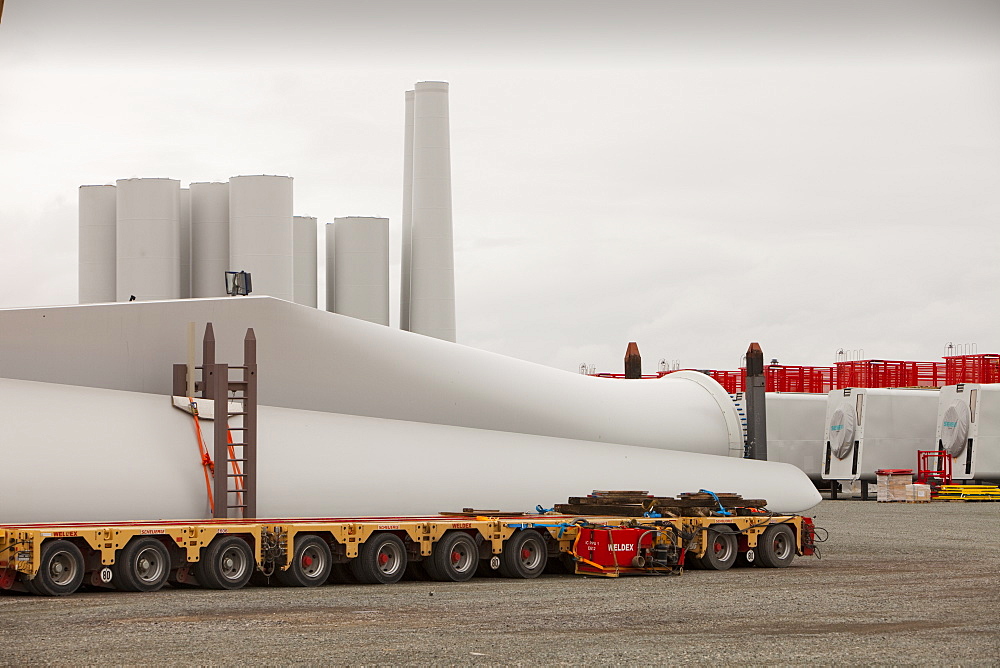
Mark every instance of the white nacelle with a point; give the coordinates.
(968, 428)
(874, 428)
(795, 430)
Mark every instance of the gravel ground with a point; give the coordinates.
(897, 584)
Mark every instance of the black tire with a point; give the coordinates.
(60, 571)
(29, 586)
(381, 560)
(310, 565)
(776, 547)
(455, 558)
(524, 555)
(226, 563)
(721, 549)
(142, 565)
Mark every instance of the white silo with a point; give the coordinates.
(304, 260)
(97, 244)
(260, 232)
(407, 220)
(147, 239)
(330, 274)
(209, 239)
(361, 268)
(432, 257)
(184, 232)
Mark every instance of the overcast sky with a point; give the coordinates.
(688, 175)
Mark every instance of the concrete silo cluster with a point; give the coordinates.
(146, 239)
(149, 239)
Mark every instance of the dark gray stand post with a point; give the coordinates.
(250, 424)
(756, 414)
(633, 362)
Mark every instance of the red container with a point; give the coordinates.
(612, 547)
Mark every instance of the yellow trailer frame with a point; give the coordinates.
(54, 559)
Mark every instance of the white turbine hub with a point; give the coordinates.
(955, 428)
(842, 425)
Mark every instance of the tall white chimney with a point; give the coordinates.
(404, 274)
(209, 239)
(304, 260)
(432, 261)
(147, 239)
(360, 265)
(260, 232)
(97, 244)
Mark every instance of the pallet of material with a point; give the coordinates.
(967, 493)
(637, 504)
(892, 485)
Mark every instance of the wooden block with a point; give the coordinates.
(595, 509)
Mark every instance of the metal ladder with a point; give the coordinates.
(235, 475)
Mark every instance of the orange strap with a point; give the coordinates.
(206, 460)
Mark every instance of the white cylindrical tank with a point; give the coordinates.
(209, 239)
(322, 361)
(148, 239)
(432, 256)
(795, 424)
(184, 233)
(304, 260)
(330, 237)
(361, 268)
(968, 428)
(97, 244)
(260, 232)
(407, 219)
(868, 429)
(159, 476)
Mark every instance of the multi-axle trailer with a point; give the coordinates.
(604, 534)
(56, 559)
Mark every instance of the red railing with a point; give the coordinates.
(888, 373)
(781, 378)
(857, 373)
(983, 368)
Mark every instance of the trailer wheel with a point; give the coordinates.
(60, 571)
(524, 555)
(142, 565)
(381, 560)
(310, 565)
(721, 549)
(776, 546)
(454, 559)
(226, 563)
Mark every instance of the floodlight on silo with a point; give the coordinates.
(238, 283)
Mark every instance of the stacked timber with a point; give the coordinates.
(641, 503)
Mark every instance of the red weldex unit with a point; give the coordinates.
(600, 550)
